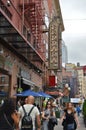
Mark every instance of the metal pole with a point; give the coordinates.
(23, 17)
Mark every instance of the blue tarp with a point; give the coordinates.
(44, 95)
(28, 93)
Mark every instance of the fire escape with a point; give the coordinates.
(31, 52)
(33, 13)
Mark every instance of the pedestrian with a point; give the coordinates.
(46, 115)
(44, 104)
(9, 117)
(78, 110)
(26, 100)
(69, 118)
(18, 104)
(35, 114)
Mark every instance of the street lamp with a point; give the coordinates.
(8, 3)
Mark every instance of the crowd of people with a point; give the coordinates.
(42, 118)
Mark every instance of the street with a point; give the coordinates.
(82, 126)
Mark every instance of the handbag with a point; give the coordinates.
(64, 122)
(53, 121)
(75, 125)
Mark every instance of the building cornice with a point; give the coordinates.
(58, 11)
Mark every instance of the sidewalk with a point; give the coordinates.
(82, 126)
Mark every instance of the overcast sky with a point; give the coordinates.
(74, 36)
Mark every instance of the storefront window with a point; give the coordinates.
(4, 85)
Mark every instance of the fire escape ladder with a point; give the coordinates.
(34, 15)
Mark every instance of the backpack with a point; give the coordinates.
(27, 123)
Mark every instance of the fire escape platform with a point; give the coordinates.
(15, 40)
(33, 12)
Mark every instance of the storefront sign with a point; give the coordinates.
(53, 45)
(52, 81)
(25, 74)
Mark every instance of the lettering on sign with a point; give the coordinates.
(53, 45)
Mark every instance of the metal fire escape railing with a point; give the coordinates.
(11, 35)
(33, 12)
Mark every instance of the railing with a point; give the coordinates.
(4, 8)
(8, 10)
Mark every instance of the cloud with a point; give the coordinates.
(75, 26)
(77, 51)
(74, 36)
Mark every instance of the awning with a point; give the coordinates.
(28, 82)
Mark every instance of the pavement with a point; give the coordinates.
(82, 126)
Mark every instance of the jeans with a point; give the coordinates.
(70, 126)
(45, 125)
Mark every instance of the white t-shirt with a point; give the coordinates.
(34, 113)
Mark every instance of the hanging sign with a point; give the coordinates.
(53, 45)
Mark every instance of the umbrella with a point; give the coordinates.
(18, 94)
(44, 95)
(28, 93)
(2, 93)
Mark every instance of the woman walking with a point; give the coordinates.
(9, 118)
(69, 118)
(47, 114)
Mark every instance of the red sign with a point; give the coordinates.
(52, 81)
(84, 68)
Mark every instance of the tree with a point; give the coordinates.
(84, 111)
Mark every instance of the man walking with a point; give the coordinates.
(35, 114)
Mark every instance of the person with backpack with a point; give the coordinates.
(69, 118)
(29, 116)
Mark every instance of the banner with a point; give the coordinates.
(52, 81)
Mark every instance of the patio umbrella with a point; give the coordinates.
(2, 93)
(45, 95)
(28, 93)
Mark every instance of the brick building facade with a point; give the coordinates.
(22, 44)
